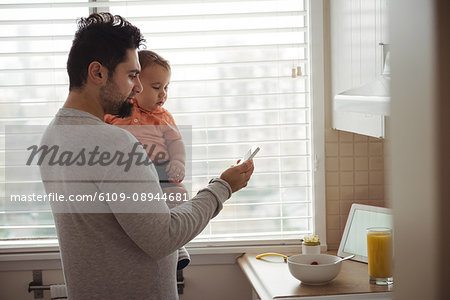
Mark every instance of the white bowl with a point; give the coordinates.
(326, 270)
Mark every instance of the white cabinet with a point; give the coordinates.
(360, 123)
(356, 29)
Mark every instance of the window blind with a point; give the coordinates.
(232, 81)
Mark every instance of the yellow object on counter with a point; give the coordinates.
(271, 253)
(379, 253)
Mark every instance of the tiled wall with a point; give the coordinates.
(354, 174)
(354, 163)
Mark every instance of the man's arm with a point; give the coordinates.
(150, 224)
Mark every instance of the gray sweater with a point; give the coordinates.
(117, 249)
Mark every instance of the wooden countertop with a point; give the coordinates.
(271, 279)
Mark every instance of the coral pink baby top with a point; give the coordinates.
(161, 127)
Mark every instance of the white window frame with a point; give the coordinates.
(46, 255)
(316, 47)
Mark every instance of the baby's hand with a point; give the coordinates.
(175, 170)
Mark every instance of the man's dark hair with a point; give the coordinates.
(104, 38)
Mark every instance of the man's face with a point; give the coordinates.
(124, 84)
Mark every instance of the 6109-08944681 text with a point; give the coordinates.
(101, 197)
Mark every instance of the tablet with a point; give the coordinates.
(360, 218)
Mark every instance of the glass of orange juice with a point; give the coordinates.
(379, 255)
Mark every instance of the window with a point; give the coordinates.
(232, 64)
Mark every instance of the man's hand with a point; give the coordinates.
(238, 176)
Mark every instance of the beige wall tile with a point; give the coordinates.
(376, 177)
(346, 149)
(361, 149)
(332, 193)
(331, 149)
(362, 192)
(377, 202)
(346, 178)
(376, 163)
(361, 163)
(333, 208)
(333, 222)
(346, 164)
(334, 236)
(347, 193)
(361, 178)
(360, 138)
(345, 136)
(376, 192)
(332, 163)
(376, 149)
(331, 135)
(344, 207)
(332, 178)
(342, 221)
(374, 139)
(332, 246)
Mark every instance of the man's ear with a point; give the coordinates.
(97, 73)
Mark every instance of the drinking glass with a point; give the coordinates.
(379, 254)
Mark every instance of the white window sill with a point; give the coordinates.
(47, 257)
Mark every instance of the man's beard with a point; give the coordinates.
(114, 102)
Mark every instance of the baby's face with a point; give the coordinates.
(155, 81)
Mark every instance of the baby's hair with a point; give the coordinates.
(149, 58)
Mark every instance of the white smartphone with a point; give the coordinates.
(250, 154)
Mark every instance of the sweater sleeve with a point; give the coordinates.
(145, 217)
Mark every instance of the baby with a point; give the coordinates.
(161, 140)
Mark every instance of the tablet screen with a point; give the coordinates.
(360, 218)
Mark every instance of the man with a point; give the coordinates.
(117, 240)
